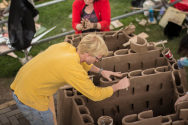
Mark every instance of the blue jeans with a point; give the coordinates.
(34, 116)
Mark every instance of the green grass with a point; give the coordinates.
(57, 15)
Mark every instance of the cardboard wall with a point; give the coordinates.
(156, 83)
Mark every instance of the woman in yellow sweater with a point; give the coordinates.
(57, 66)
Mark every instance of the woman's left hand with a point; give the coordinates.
(181, 99)
(87, 24)
(106, 74)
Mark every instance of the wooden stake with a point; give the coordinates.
(137, 8)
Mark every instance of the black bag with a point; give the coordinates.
(172, 30)
(137, 3)
(21, 25)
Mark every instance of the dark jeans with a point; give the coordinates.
(34, 116)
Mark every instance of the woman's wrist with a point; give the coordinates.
(115, 87)
(79, 27)
(98, 26)
(100, 71)
(94, 25)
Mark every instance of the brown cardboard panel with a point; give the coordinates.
(156, 83)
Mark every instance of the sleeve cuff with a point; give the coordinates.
(111, 91)
(86, 66)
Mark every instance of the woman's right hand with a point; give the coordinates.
(122, 84)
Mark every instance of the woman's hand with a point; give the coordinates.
(87, 24)
(79, 27)
(122, 84)
(106, 74)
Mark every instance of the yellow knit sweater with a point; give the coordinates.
(42, 76)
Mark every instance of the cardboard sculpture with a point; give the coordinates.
(114, 39)
(156, 83)
(138, 44)
(105, 120)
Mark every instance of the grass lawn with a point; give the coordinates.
(57, 15)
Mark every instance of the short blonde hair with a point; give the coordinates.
(93, 44)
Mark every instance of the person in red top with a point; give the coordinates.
(91, 15)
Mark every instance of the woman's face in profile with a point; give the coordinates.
(88, 2)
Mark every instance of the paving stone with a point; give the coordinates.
(14, 120)
(13, 107)
(23, 121)
(4, 120)
(11, 113)
(19, 115)
(5, 110)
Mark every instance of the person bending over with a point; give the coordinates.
(183, 50)
(183, 61)
(39, 79)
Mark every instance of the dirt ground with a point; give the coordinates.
(5, 92)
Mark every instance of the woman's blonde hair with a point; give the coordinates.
(93, 44)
